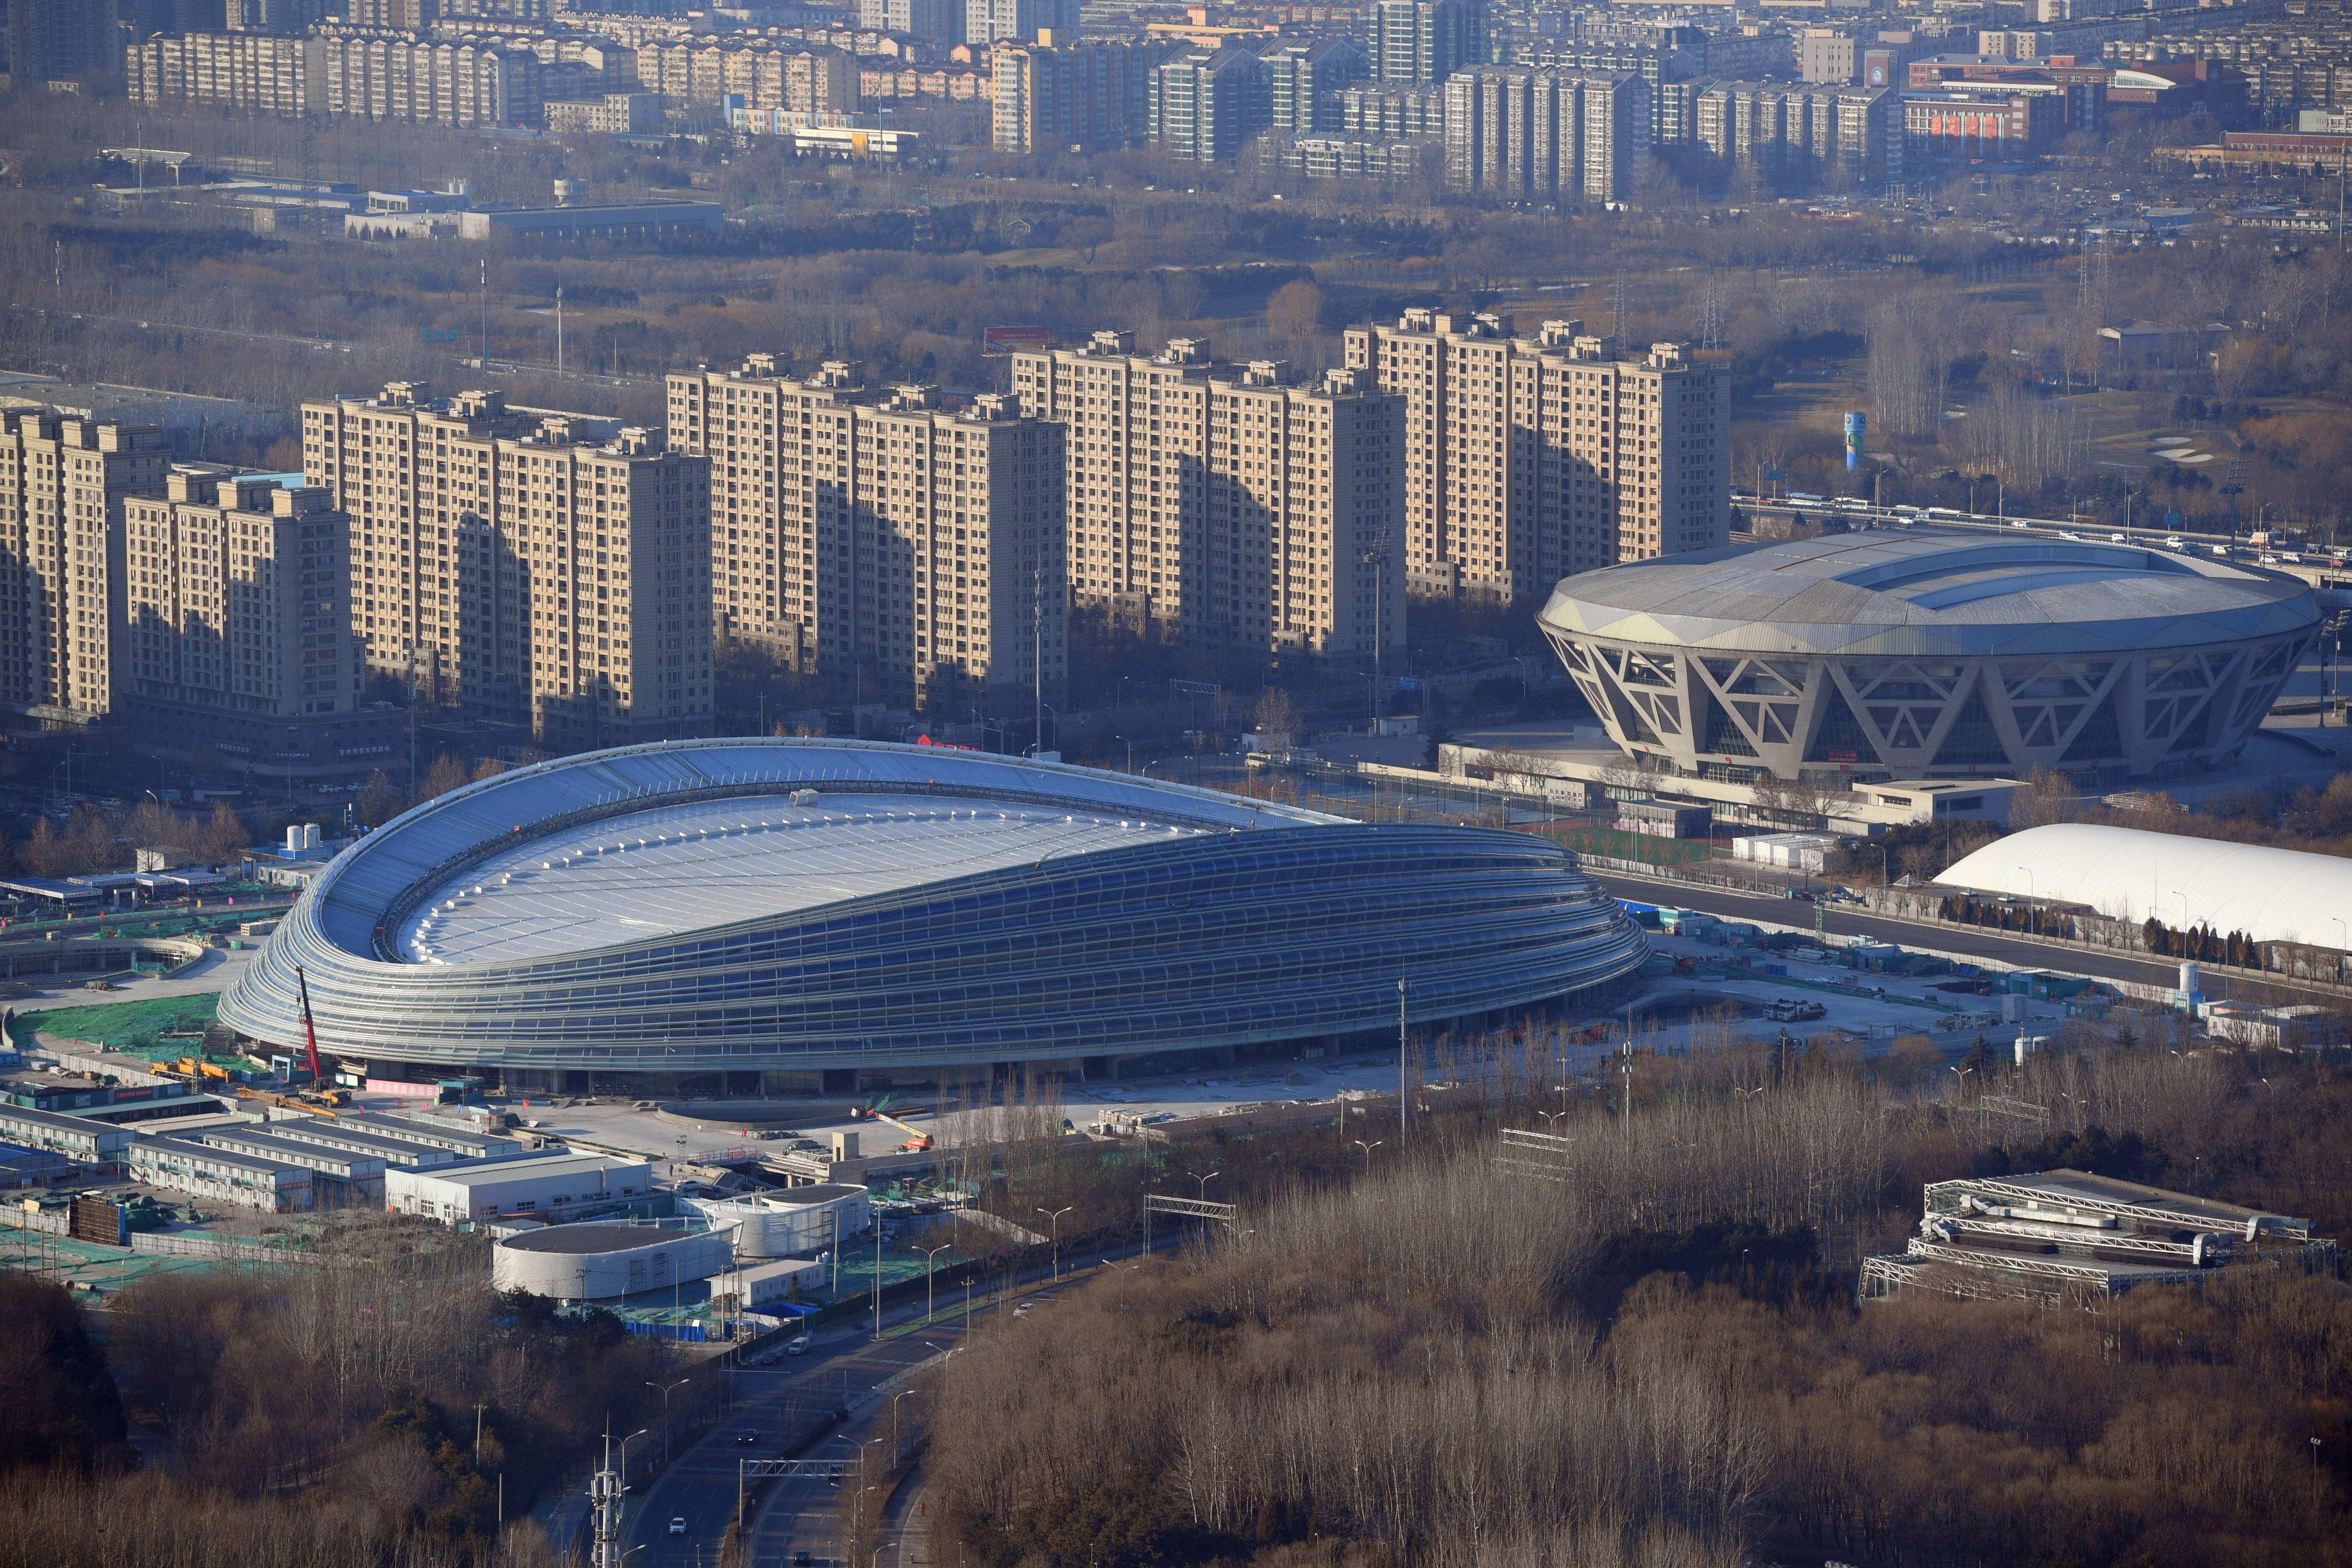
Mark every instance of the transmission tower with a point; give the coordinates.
(1711, 313)
(1617, 306)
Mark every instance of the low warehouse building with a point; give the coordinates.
(764, 1284)
(245, 1181)
(338, 1178)
(602, 1262)
(463, 1144)
(393, 1151)
(95, 1144)
(22, 1167)
(2070, 1236)
(791, 1222)
(549, 1185)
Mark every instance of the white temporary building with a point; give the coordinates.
(2273, 895)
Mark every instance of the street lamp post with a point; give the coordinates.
(1404, 1122)
(930, 1290)
(1368, 1149)
(640, 1432)
(1054, 1217)
(902, 1394)
(665, 1388)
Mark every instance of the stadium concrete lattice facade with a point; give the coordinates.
(1915, 653)
(778, 907)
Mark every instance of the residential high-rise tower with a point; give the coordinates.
(1527, 459)
(869, 531)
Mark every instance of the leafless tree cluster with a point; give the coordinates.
(1009, 1129)
(97, 839)
(1430, 1363)
(321, 1410)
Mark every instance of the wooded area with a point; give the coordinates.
(318, 1414)
(1653, 1355)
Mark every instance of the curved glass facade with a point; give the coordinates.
(1211, 920)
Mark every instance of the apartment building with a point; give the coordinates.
(1528, 459)
(1205, 103)
(234, 646)
(1516, 133)
(766, 73)
(477, 82)
(1391, 109)
(57, 41)
(614, 113)
(872, 530)
(1345, 157)
(63, 485)
(523, 566)
(1302, 82)
(1301, 545)
(1094, 93)
(1427, 41)
(938, 20)
(1782, 132)
(1220, 505)
(987, 22)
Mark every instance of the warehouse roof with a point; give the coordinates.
(2273, 895)
(525, 1167)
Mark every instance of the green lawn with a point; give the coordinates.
(130, 1027)
(1617, 845)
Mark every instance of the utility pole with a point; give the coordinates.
(485, 315)
(559, 329)
(414, 782)
(1037, 650)
(1405, 1124)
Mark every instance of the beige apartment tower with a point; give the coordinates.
(1529, 459)
(235, 648)
(522, 566)
(872, 533)
(234, 597)
(1224, 505)
(63, 485)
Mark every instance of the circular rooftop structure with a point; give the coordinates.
(774, 904)
(1919, 654)
(598, 1262)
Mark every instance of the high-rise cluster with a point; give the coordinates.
(1519, 133)
(564, 576)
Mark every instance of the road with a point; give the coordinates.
(776, 1402)
(1845, 919)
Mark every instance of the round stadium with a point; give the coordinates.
(1917, 653)
(760, 915)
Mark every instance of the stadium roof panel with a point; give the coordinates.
(580, 799)
(680, 868)
(1919, 591)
